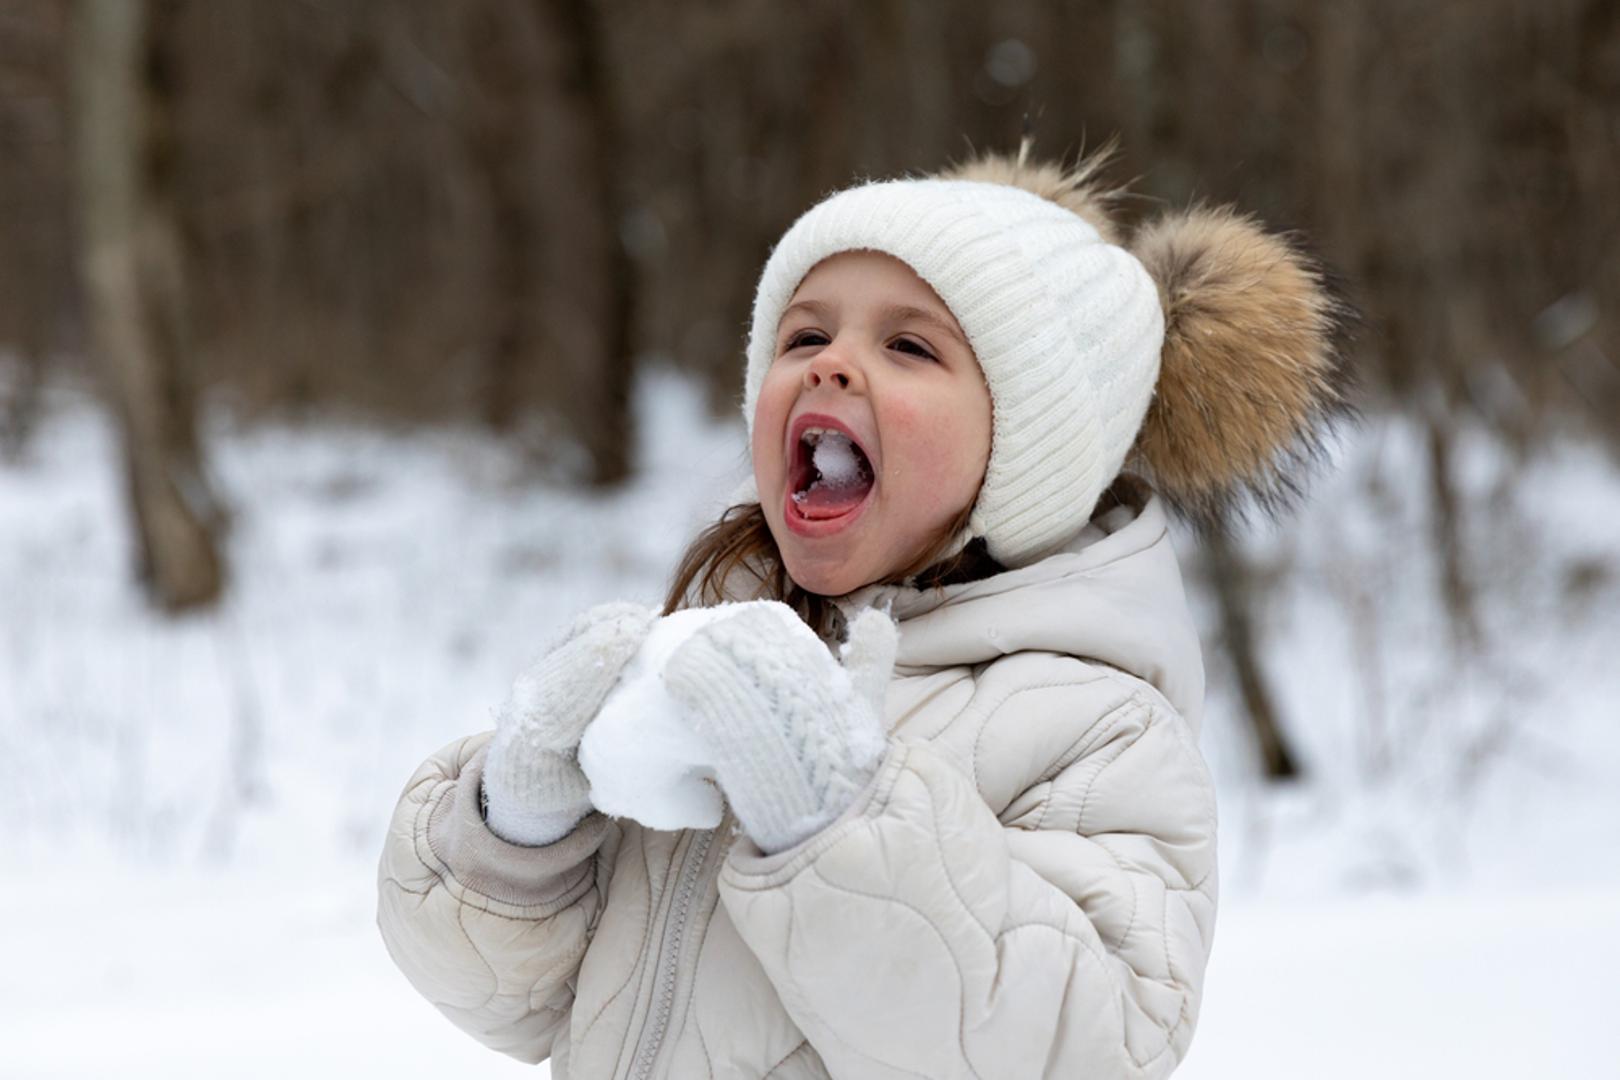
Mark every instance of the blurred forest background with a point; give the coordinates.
(487, 210)
(499, 215)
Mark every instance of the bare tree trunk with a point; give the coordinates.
(492, 125)
(540, 132)
(1233, 593)
(131, 262)
(584, 269)
(22, 401)
(32, 237)
(1449, 536)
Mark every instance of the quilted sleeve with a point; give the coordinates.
(490, 932)
(920, 935)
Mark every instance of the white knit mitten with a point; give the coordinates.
(534, 791)
(794, 734)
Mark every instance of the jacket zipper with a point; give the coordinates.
(652, 1035)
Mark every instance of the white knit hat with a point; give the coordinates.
(1067, 329)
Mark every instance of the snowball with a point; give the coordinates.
(836, 460)
(641, 753)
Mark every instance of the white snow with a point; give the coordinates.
(1422, 986)
(193, 808)
(835, 459)
(641, 753)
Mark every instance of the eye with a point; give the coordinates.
(919, 349)
(799, 339)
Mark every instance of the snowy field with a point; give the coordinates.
(193, 809)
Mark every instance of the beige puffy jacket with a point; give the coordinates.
(1026, 889)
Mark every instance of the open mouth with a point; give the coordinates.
(831, 475)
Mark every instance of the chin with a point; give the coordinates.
(824, 581)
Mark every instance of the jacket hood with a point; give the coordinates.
(1113, 593)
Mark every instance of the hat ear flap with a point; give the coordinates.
(1253, 375)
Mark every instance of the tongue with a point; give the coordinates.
(825, 500)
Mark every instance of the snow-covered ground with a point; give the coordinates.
(193, 808)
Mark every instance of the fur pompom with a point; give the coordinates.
(1078, 188)
(1253, 375)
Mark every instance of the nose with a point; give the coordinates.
(832, 365)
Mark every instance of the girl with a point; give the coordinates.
(992, 855)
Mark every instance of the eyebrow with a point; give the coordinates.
(887, 313)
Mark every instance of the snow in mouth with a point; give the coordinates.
(837, 462)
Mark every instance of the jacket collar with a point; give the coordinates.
(1112, 593)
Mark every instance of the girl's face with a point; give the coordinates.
(866, 347)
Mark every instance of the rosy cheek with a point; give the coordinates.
(931, 456)
(913, 445)
(770, 417)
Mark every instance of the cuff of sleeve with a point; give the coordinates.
(511, 873)
(748, 867)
